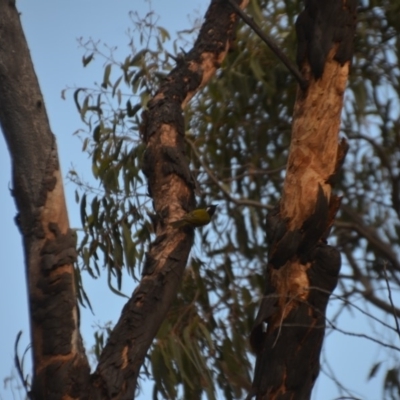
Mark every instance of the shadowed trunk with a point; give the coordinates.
(60, 364)
(302, 269)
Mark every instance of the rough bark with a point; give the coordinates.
(60, 364)
(171, 185)
(302, 269)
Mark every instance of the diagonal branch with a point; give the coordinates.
(171, 186)
(371, 235)
(272, 45)
(396, 320)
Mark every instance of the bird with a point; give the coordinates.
(196, 218)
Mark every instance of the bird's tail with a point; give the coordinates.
(178, 223)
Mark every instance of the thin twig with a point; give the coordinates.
(332, 326)
(363, 335)
(19, 364)
(238, 202)
(271, 44)
(368, 233)
(348, 302)
(391, 300)
(328, 371)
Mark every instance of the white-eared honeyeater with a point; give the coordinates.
(196, 218)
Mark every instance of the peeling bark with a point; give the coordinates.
(171, 185)
(302, 269)
(60, 365)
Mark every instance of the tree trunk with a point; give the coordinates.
(302, 269)
(60, 364)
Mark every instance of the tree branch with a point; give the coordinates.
(272, 45)
(369, 234)
(59, 362)
(396, 320)
(171, 185)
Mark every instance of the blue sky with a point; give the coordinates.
(52, 29)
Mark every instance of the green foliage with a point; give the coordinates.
(238, 134)
(392, 384)
(114, 217)
(101, 336)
